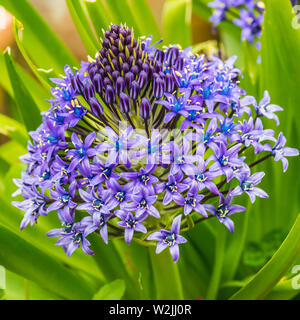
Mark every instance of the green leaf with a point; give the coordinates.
(2, 278)
(19, 288)
(275, 269)
(23, 258)
(177, 15)
(111, 291)
(138, 265)
(38, 93)
(11, 151)
(279, 74)
(215, 280)
(99, 15)
(166, 276)
(145, 19)
(283, 291)
(41, 76)
(122, 12)
(13, 129)
(110, 262)
(23, 99)
(235, 244)
(41, 43)
(81, 21)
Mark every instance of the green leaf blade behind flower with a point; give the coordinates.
(279, 74)
(38, 92)
(99, 15)
(33, 264)
(111, 291)
(81, 21)
(145, 19)
(41, 43)
(167, 279)
(177, 17)
(275, 269)
(24, 101)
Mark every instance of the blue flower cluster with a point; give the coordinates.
(141, 139)
(247, 14)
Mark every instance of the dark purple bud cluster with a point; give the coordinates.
(124, 72)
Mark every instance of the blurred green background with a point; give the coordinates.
(256, 262)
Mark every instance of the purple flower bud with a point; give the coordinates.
(135, 70)
(130, 60)
(120, 85)
(179, 63)
(106, 43)
(114, 50)
(115, 64)
(102, 73)
(93, 71)
(102, 52)
(115, 75)
(107, 82)
(159, 56)
(172, 55)
(113, 36)
(98, 82)
(128, 39)
(109, 94)
(143, 78)
(125, 104)
(145, 67)
(158, 88)
(169, 83)
(79, 84)
(134, 90)
(114, 28)
(122, 56)
(125, 67)
(89, 91)
(105, 61)
(96, 106)
(108, 69)
(123, 32)
(134, 43)
(74, 84)
(107, 34)
(139, 62)
(145, 108)
(129, 77)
